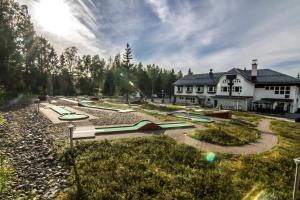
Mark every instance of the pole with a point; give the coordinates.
(38, 105)
(297, 178)
(71, 128)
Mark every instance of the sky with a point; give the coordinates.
(179, 34)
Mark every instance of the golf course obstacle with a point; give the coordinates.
(67, 115)
(196, 119)
(87, 105)
(144, 125)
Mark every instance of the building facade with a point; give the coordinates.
(257, 89)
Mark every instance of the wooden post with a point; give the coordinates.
(297, 178)
(71, 128)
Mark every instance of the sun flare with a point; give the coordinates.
(55, 16)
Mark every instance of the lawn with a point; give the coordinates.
(147, 168)
(247, 116)
(233, 133)
(159, 168)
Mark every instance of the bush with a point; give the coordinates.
(147, 168)
(5, 174)
(235, 132)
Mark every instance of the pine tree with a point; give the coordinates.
(127, 57)
(190, 72)
(298, 76)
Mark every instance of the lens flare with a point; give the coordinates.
(210, 156)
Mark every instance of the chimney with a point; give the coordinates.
(210, 73)
(254, 69)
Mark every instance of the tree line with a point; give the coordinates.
(29, 64)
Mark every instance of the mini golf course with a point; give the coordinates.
(144, 125)
(196, 119)
(67, 115)
(86, 104)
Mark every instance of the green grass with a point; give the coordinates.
(235, 132)
(5, 174)
(147, 168)
(162, 107)
(159, 168)
(247, 116)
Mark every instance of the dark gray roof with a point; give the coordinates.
(199, 79)
(264, 76)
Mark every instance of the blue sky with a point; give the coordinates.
(200, 34)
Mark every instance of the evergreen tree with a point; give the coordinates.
(190, 72)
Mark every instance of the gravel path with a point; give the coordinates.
(267, 141)
(26, 139)
(110, 117)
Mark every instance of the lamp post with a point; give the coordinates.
(297, 178)
(71, 129)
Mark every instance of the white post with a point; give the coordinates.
(297, 177)
(71, 128)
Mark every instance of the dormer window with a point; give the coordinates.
(211, 89)
(179, 89)
(225, 81)
(200, 89)
(189, 89)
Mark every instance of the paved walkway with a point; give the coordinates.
(267, 141)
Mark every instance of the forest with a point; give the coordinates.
(29, 64)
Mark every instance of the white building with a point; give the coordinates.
(237, 89)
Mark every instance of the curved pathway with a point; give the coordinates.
(267, 141)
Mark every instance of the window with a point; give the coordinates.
(200, 89)
(236, 80)
(211, 89)
(179, 89)
(237, 89)
(181, 98)
(189, 89)
(282, 90)
(192, 99)
(267, 88)
(271, 87)
(225, 81)
(224, 89)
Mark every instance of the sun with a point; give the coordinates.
(55, 16)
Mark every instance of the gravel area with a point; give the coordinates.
(111, 117)
(26, 139)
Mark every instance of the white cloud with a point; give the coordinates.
(160, 7)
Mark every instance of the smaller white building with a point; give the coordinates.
(256, 89)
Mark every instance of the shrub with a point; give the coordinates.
(5, 174)
(147, 168)
(235, 132)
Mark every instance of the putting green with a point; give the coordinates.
(98, 107)
(68, 115)
(61, 110)
(144, 125)
(72, 117)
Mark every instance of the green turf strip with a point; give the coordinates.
(71, 117)
(61, 110)
(139, 125)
